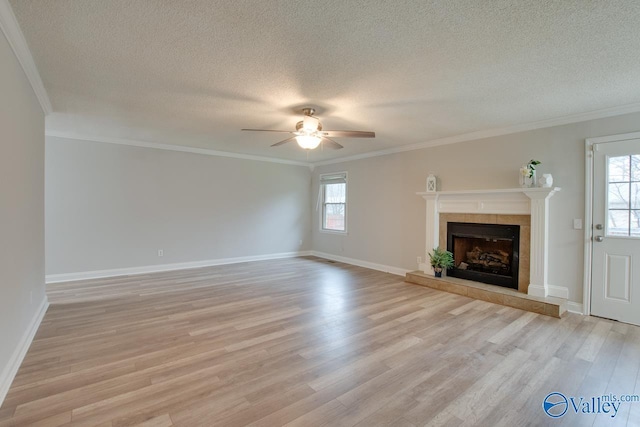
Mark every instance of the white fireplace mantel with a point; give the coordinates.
(509, 201)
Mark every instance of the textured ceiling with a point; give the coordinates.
(195, 72)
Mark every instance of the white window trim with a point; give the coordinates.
(346, 204)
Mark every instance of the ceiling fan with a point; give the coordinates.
(309, 133)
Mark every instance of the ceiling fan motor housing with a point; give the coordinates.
(311, 126)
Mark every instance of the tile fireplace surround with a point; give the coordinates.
(496, 206)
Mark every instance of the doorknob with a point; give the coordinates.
(598, 238)
(598, 226)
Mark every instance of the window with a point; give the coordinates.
(333, 191)
(624, 196)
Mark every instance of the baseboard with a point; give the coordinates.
(360, 263)
(575, 307)
(557, 291)
(548, 291)
(537, 291)
(9, 372)
(98, 274)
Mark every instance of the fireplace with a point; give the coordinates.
(487, 253)
(526, 207)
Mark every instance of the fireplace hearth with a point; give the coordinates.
(487, 253)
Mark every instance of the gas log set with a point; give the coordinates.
(487, 253)
(496, 261)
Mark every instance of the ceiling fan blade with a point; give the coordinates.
(349, 134)
(283, 141)
(332, 143)
(268, 130)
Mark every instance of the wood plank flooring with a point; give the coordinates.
(308, 342)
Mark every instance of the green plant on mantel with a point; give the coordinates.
(531, 166)
(440, 259)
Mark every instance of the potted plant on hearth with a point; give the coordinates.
(440, 260)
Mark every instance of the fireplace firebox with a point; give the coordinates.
(487, 253)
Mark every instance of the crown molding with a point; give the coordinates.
(489, 133)
(11, 29)
(172, 147)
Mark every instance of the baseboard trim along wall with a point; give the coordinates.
(537, 291)
(575, 307)
(549, 291)
(554, 291)
(9, 372)
(360, 263)
(558, 291)
(99, 274)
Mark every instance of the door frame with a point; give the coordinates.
(588, 212)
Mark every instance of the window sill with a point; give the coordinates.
(333, 232)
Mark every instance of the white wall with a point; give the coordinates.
(112, 207)
(386, 220)
(22, 290)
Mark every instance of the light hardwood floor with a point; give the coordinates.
(306, 342)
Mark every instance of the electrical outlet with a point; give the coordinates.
(577, 224)
(160, 252)
(419, 260)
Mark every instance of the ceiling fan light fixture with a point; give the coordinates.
(310, 124)
(308, 142)
(309, 133)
